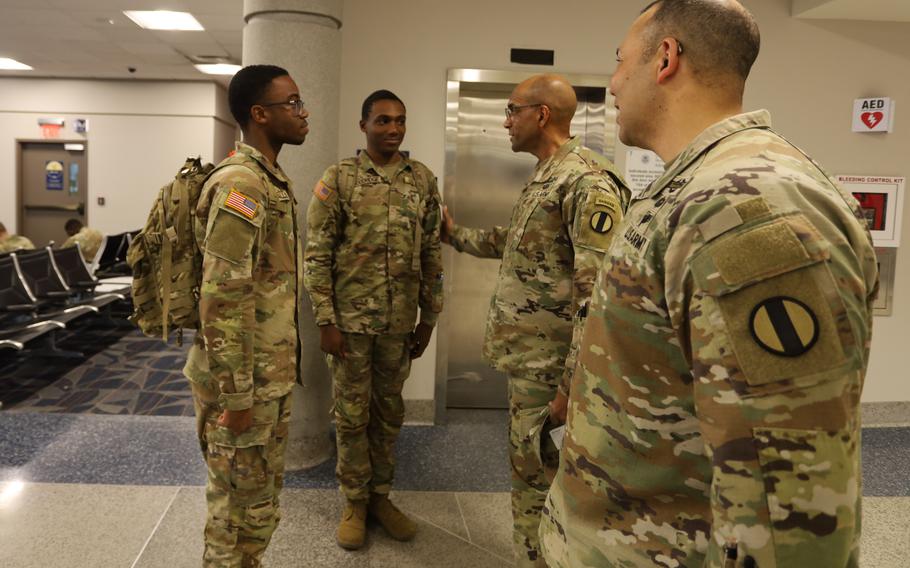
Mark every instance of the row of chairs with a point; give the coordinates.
(110, 260)
(42, 292)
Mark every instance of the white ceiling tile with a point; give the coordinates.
(221, 22)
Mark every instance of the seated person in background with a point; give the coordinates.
(89, 239)
(10, 243)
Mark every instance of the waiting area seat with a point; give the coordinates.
(110, 260)
(37, 301)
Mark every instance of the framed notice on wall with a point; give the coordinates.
(887, 261)
(882, 201)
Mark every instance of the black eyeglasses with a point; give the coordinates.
(512, 109)
(296, 105)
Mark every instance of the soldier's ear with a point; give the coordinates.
(257, 114)
(363, 126)
(543, 116)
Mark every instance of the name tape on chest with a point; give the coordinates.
(638, 241)
(242, 204)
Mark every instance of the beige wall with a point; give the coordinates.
(808, 74)
(139, 134)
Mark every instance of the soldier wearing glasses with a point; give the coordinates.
(244, 360)
(551, 251)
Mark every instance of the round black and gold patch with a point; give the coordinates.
(601, 222)
(784, 326)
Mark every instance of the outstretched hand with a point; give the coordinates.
(447, 227)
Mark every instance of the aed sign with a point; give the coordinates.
(873, 115)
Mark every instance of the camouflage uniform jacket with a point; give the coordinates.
(373, 253)
(246, 225)
(714, 412)
(89, 242)
(14, 243)
(551, 251)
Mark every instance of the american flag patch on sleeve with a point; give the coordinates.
(322, 191)
(242, 204)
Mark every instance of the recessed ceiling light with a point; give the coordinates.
(218, 68)
(11, 64)
(164, 20)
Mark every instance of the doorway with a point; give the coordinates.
(483, 178)
(53, 181)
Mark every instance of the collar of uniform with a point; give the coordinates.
(366, 164)
(708, 138)
(273, 169)
(545, 168)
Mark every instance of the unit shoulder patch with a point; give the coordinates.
(784, 326)
(598, 218)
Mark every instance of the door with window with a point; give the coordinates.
(52, 189)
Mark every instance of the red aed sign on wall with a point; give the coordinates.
(873, 115)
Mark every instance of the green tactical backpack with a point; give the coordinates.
(164, 257)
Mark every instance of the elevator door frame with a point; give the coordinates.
(454, 79)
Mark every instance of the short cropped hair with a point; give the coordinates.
(73, 226)
(719, 39)
(380, 95)
(247, 87)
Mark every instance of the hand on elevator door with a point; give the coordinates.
(448, 225)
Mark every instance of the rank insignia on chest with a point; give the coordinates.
(242, 204)
(676, 184)
(784, 326)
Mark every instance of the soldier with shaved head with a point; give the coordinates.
(714, 412)
(561, 226)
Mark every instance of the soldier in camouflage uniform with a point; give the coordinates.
(714, 413)
(551, 251)
(89, 240)
(244, 360)
(10, 243)
(372, 257)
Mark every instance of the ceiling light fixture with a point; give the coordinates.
(8, 64)
(218, 68)
(164, 20)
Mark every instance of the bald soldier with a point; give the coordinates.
(561, 225)
(714, 412)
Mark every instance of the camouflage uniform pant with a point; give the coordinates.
(534, 459)
(369, 410)
(245, 476)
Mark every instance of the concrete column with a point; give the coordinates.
(304, 37)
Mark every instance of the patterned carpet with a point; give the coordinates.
(121, 372)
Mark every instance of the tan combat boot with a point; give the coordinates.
(395, 523)
(352, 528)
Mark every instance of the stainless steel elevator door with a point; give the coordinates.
(488, 178)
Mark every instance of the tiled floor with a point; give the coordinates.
(124, 373)
(99, 468)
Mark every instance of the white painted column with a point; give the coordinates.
(304, 37)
